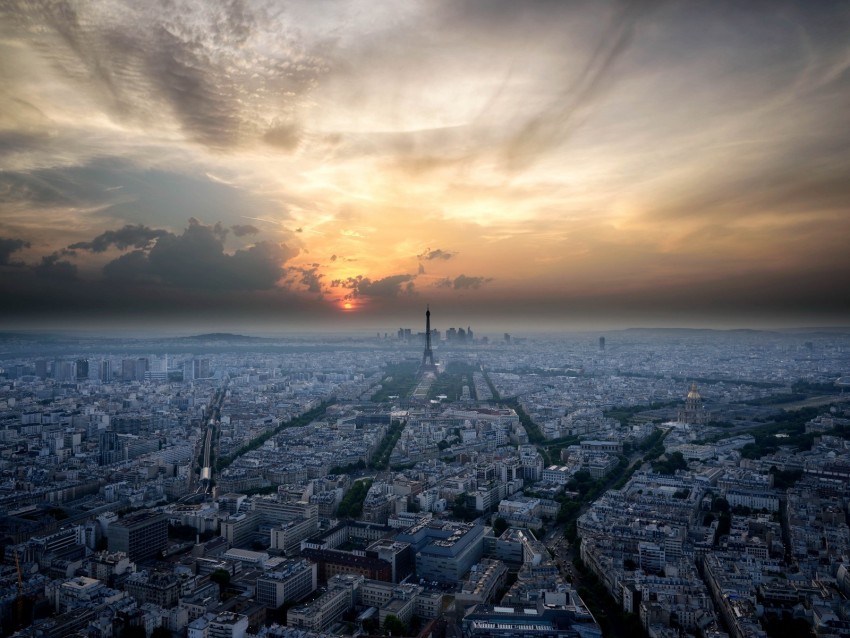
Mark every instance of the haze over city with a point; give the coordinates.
(338, 165)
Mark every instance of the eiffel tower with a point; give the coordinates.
(428, 355)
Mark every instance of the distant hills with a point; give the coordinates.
(216, 336)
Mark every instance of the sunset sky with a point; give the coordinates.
(324, 163)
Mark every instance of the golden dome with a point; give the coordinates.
(693, 393)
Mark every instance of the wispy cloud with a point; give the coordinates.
(213, 68)
(568, 150)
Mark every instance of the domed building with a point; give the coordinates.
(694, 411)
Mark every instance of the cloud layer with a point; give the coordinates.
(574, 155)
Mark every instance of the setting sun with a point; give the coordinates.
(564, 162)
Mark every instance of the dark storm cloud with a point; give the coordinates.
(142, 62)
(463, 282)
(387, 287)
(196, 259)
(438, 253)
(131, 267)
(310, 277)
(241, 230)
(128, 237)
(56, 268)
(165, 274)
(9, 246)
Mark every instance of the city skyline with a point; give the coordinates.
(538, 166)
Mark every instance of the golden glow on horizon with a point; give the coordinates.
(409, 150)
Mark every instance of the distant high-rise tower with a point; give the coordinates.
(201, 369)
(601, 343)
(66, 371)
(428, 355)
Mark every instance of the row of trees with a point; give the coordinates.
(493, 390)
(611, 618)
(348, 469)
(298, 421)
(588, 490)
(535, 435)
(352, 503)
(653, 445)
(381, 459)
